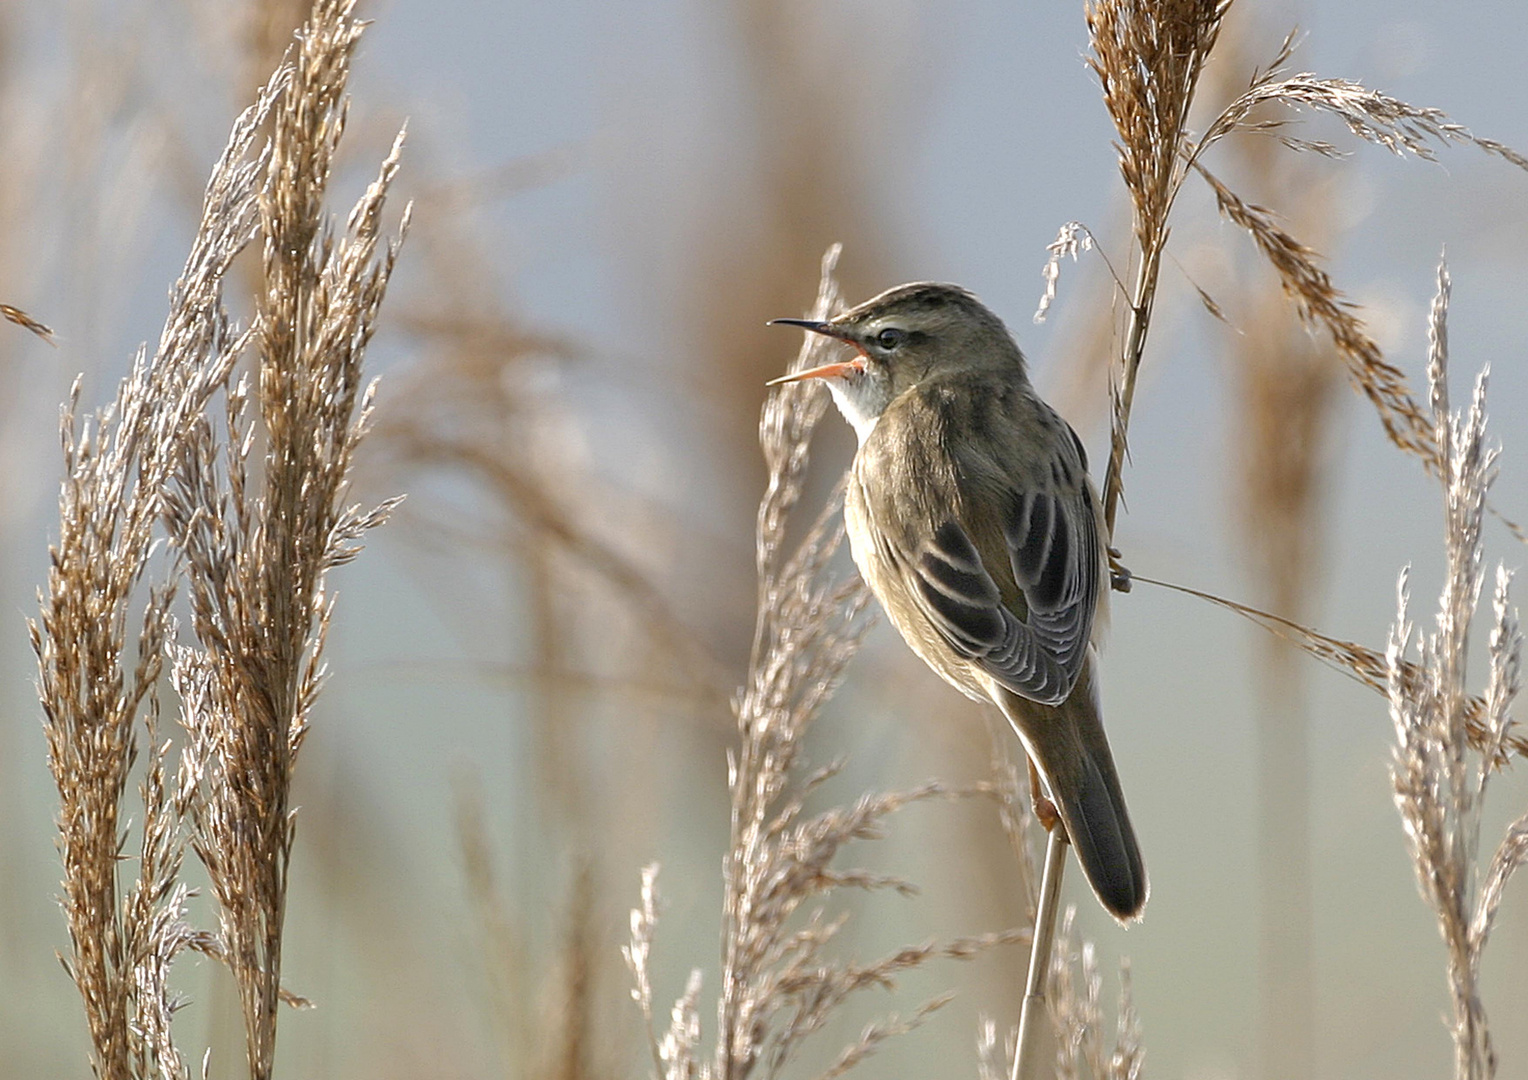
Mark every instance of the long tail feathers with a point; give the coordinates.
(1068, 745)
(1099, 828)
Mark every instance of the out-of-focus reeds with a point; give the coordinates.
(1287, 387)
(252, 498)
(1440, 784)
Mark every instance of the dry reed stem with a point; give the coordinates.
(1439, 789)
(1364, 665)
(1148, 59)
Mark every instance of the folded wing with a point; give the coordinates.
(1054, 557)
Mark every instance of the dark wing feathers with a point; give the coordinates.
(1061, 582)
(1054, 558)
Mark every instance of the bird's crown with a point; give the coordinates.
(921, 299)
(926, 324)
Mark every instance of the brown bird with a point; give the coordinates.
(971, 516)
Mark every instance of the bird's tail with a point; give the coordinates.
(1068, 746)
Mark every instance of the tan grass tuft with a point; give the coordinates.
(1077, 1014)
(95, 681)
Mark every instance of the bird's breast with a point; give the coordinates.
(881, 566)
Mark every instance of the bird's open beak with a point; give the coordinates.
(827, 371)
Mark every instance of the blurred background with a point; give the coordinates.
(533, 662)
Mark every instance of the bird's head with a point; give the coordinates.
(902, 337)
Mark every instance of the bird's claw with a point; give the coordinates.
(1119, 574)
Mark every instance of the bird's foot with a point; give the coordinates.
(1047, 814)
(1045, 810)
(1119, 574)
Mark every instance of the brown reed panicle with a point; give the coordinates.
(779, 982)
(1439, 787)
(259, 529)
(1127, 35)
(94, 681)
(151, 460)
(1149, 57)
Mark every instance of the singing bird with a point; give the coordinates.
(971, 516)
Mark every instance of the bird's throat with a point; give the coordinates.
(862, 401)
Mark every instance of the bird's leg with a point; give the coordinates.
(1119, 574)
(1045, 810)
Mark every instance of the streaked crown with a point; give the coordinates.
(925, 326)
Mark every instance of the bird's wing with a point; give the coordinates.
(1054, 558)
(1008, 579)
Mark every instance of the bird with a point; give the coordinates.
(971, 516)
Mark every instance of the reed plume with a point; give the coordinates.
(261, 532)
(96, 680)
(1440, 786)
(252, 498)
(1149, 58)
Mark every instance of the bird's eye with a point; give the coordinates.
(890, 338)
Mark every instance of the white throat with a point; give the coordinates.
(862, 399)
